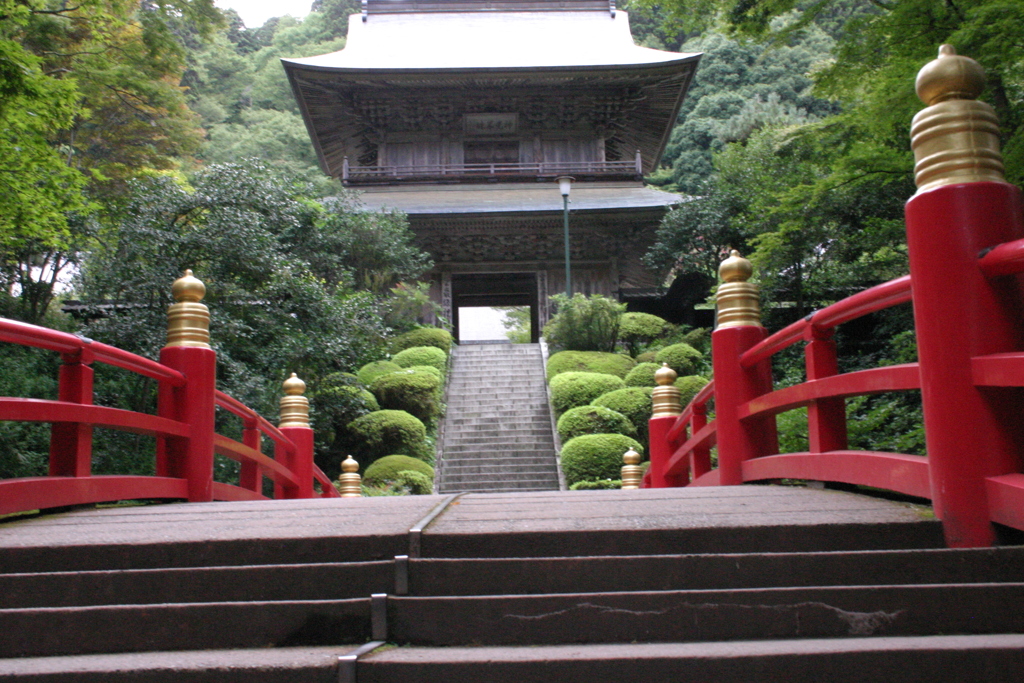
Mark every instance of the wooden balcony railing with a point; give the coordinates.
(355, 175)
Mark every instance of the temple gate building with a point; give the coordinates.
(462, 113)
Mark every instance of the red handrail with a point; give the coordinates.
(74, 416)
(871, 300)
(691, 436)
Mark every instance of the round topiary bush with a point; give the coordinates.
(637, 330)
(387, 468)
(418, 484)
(386, 432)
(642, 375)
(372, 371)
(593, 420)
(572, 389)
(600, 485)
(593, 457)
(689, 387)
(589, 361)
(680, 357)
(634, 403)
(430, 370)
(422, 355)
(414, 391)
(647, 357)
(424, 336)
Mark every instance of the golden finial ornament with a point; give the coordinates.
(188, 320)
(665, 399)
(738, 301)
(632, 473)
(956, 138)
(294, 406)
(349, 481)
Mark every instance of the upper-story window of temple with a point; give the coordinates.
(471, 90)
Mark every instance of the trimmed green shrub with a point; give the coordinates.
(689, 387)
(589, 361)
(430, 370)
(584, 323)
(386, 432)
(600, 485)
(418, 483)
(424, 336)
(593, 457)
(593, 420)
(422, 355)
(642, 375)
(388, 468)
(414, 391)
(634, 403)
(680, 357)
(637, 330)
(372, 371)
(572, 389)
(647, 357)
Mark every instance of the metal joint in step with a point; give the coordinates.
(416, 532)
(347, 663)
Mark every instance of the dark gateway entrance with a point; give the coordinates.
(496, 289)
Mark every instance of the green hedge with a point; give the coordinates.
(387, 432)
(689, 387)
(430, 370)
(637, 330)
(414, 391)
(372, 371)
(424, 336)
(593, 457)
(599, 485)
(422, 355)
(589, 361)
(573, 389)
(634, 403)
(642, 375)
(680, 357)
(647, 357)
(387, 468)
(593, 420)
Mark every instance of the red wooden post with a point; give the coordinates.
(700, 460)
(739, 329)
(188, 351)
(826, 418)
(962, 207)
(295, 425)
(251, 477)
(71, 442)
(666, 410)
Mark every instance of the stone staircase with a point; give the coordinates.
(683, 585)
(497, 433)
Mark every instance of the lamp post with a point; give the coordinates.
(564, 185)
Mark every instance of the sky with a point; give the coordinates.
(255, 12)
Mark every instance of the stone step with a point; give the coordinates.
(496, 465)
(271, 665)
(510, 427)
(501, 450)
(550, 575)
(498, 402)
(500, 486)
(690, 616)
(316, 581)
(466, 475)
(43, 632)
(496, 436)
(929, 659)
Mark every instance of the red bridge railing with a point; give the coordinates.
(965, 235)
(183, 426)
